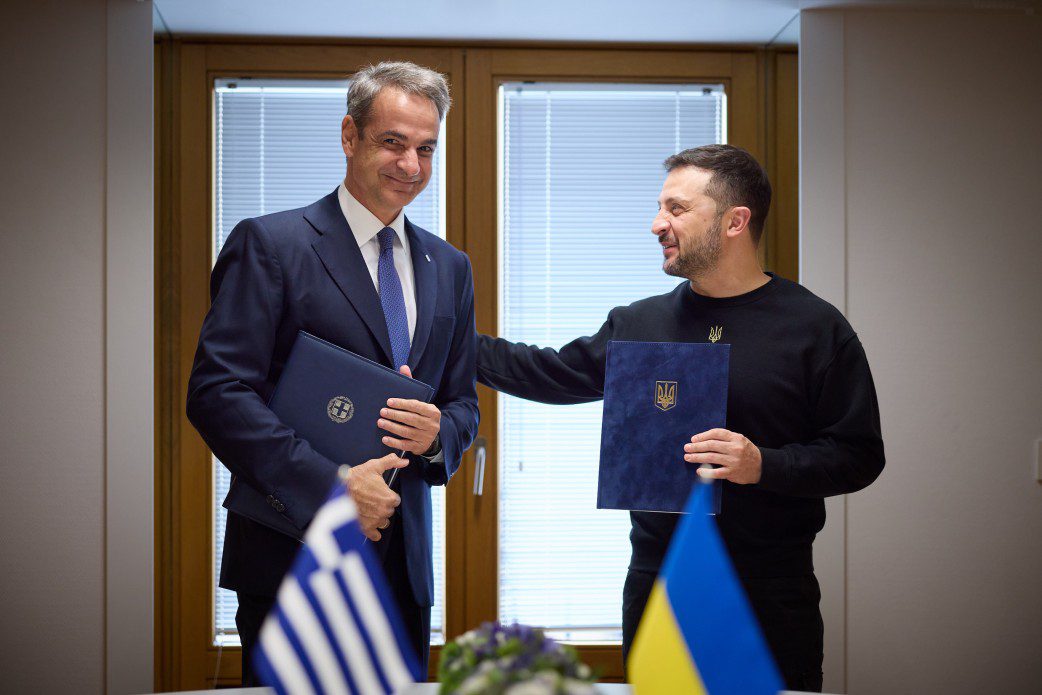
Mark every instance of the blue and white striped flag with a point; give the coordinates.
(334, 627)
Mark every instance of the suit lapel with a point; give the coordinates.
(425, 271)
(339, 253)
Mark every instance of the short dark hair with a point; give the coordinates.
(738, 179)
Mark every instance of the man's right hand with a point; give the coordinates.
(375, 501)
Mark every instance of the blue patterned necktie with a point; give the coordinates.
(392, 299)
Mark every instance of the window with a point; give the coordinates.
(580, 172)
(277, 147)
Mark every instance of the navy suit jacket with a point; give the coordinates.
(302, 270)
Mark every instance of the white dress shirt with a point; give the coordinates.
(365, 226)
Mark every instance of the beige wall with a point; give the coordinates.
(74, 248)
(52, 250)
(921, 145)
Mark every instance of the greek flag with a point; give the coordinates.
(334, 627)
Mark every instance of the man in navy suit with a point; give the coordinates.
(351, 269)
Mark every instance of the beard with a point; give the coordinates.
(702, 258)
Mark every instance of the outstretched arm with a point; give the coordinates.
(572, 374)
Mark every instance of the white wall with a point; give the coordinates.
(77, 150)
(129, 350)
(823, 250)
(920, 159)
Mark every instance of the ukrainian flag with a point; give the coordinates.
(698, 634)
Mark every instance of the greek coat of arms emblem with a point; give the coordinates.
(340, 409)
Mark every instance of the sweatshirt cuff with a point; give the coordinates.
(775, 470)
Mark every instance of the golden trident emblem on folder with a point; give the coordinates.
(665, 394)
(715, 333)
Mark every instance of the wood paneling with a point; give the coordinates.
(481, 540)
(782, 124)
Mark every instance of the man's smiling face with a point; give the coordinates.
(688, 224)
(389, 160)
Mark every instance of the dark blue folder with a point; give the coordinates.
(656, 397)
(332, 398)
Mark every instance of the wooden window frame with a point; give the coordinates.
(761, 113)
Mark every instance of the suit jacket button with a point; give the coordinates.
(280, 507)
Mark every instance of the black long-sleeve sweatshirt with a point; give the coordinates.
(800, 389)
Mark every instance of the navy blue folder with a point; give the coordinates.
(332, 398)
(656, 397)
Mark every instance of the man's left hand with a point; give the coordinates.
(738, 459)
(415, 424)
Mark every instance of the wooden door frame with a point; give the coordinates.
(761, 113)
(780, 245)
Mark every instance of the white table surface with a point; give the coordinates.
(426, 689)
(414, 689)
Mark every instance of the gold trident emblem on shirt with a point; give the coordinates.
(665, 394)
(715, 333)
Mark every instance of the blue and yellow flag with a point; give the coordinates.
(698, 633)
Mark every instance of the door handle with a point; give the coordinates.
(479, 465)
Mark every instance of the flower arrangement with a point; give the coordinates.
(511, 660)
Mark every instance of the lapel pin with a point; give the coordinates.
(427, 257)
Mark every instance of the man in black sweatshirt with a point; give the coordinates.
(803, 422)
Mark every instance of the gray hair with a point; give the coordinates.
(408, 77)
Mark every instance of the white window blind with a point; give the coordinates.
(580, 173)
(277, 147)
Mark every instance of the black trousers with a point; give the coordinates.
(786, 607)
(416, 619)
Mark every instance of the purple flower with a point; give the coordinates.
(495, 658)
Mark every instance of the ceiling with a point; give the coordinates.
(756, 22)
(695, 21)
